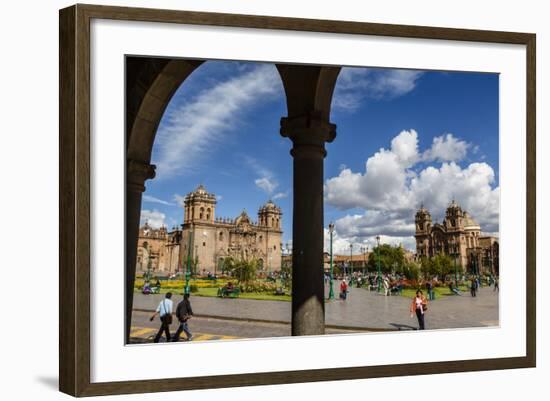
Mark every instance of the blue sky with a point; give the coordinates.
(403, 138)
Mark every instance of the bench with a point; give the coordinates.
(225, 293)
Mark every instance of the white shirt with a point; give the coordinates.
(165, 307)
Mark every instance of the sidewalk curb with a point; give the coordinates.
(252, 320)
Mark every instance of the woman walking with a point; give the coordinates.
(419, 305)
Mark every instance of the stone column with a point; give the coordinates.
(308, 135)
(136, 174)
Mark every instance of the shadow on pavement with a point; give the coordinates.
(399, 326)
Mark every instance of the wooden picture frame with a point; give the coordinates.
(75, 207)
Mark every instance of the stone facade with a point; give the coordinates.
(458, 236)
(208, 239)
(158, 249)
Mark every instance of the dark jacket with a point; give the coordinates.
(183, 310)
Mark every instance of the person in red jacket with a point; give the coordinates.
(419, 305)
(343, 290)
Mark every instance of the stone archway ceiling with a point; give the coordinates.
(151, 84)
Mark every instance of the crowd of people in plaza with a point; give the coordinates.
(389, 284)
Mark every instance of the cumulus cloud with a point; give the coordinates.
(390, 190)
(191, 130)
(356, 84)
(447, 148)
(154, 218)
(341, 241)
(382, 184)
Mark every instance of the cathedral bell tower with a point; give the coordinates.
(423, 225)
(199, 206)
(454, 217)
(423, 221)
(269, 216)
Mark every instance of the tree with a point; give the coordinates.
(286, 275)
(391, 258)
(243, 270)
(411, 270)
(441, 265)
(426, 266)
(438, 265)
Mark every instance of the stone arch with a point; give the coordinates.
(150, 85)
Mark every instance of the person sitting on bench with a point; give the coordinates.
(228, 289)
(454, 290)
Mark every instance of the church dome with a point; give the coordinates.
(201, 194)
(270, 207)
(201, 190)
(470, 223)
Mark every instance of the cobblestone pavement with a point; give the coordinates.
(364, 310)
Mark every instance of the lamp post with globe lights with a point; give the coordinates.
(331, 285)
(378, 263)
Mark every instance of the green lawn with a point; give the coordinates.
(213, 292)
(439, 291)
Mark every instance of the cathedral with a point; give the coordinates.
(206, 239)
(458, 236)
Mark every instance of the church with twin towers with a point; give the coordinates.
(207, 239)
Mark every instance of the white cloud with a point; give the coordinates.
(179, 199)
(266, 184)
(152, 199)
(279, 195)
(471, 187)
(191, 130)
(390, 191)
(154, 218)
(383, 183)
(356, 84)
(341, 242)
(266, 180)
(447, 148)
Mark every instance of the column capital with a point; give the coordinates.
(136, 174)
(308, 133)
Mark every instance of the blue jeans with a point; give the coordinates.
(182, 327)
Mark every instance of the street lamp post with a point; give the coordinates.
(188, 270)
(379, 275)
(149, 260)
(331, 286)
(363, 250)
(350, 265)
(456, 271)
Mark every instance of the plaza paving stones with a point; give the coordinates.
(363, 309)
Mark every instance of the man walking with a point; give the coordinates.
(183, 313)
(165, 311)
(473, 287)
